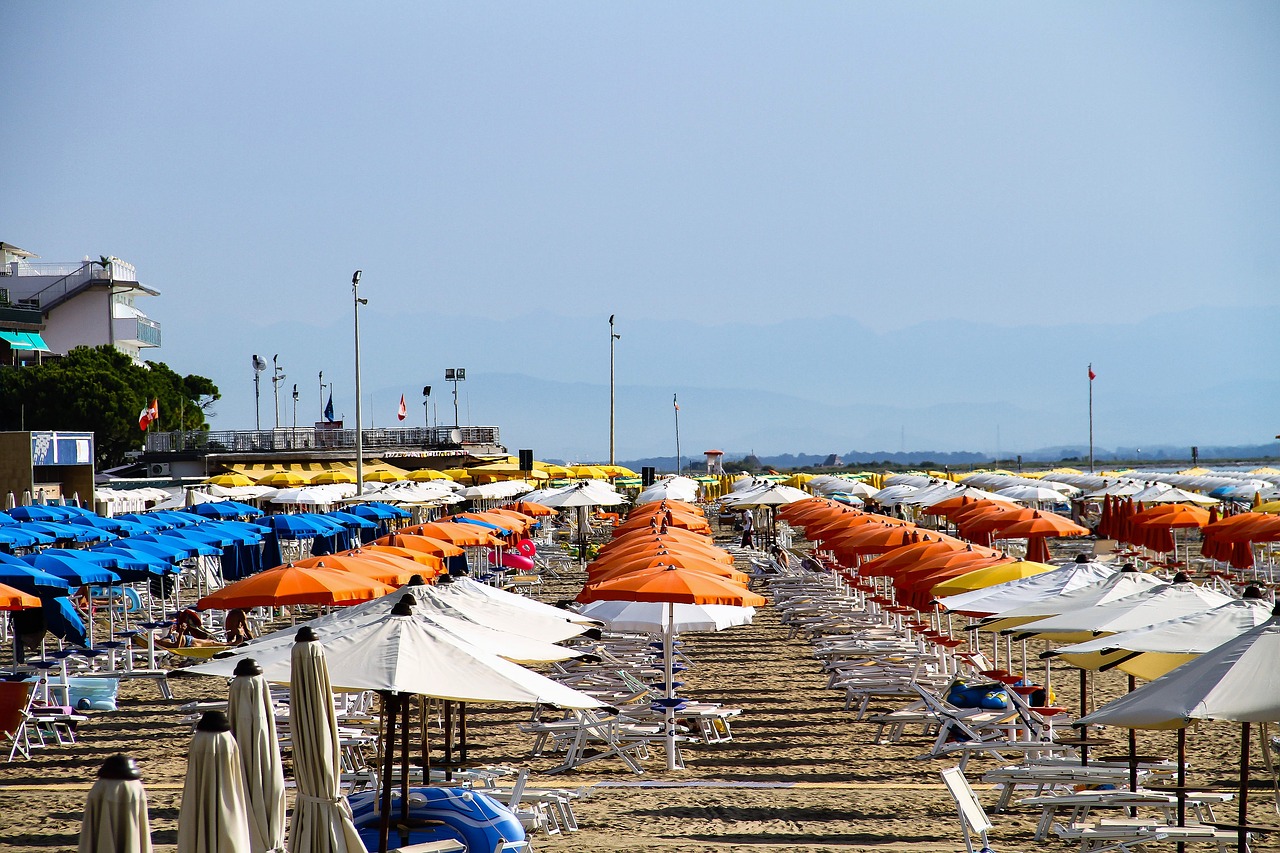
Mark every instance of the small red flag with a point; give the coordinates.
(403, 411)
(1092, 375)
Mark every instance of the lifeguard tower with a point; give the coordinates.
(714, 460)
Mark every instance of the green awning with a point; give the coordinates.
(25, 341)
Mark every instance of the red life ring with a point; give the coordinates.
(526, 547)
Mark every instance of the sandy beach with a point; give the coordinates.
(800, 773)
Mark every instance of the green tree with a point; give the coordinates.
(102, 390)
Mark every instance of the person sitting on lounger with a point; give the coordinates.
(190, 624)
(238, 627)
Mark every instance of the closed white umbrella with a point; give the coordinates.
(214, 816)
(321, 816)
(253, 724)
(115, 812)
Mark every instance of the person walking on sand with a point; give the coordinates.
(748, 525)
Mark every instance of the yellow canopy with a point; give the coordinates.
(990, 576)
(230, 480)
(336, 475)
(422, 475)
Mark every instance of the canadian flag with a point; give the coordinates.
(149, 415)
(403, 411)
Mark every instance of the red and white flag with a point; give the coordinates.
(403, 411)
(149, 415)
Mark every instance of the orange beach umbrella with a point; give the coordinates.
(290, 584)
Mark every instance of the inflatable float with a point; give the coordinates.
(475, 819)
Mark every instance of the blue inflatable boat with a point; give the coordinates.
(480, 822)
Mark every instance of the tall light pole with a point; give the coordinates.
(277, 376)
(259, 365)
(612, 338)
(455, 375)
(357, 302)
(322, 395)
(426, 406)
(679, 460)
(295, 413)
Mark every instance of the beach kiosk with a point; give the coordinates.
(715, 459)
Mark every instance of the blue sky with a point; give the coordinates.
(762, 193)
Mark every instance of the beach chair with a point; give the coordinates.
(15, 716)
(973, 817)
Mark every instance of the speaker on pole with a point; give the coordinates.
(526, 460)
(648, 476)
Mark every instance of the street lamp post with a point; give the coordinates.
(259, 365)
(426, 406)
(277, 376)
(455, 375)
(612, 337)
(357, 302)
(321, 395)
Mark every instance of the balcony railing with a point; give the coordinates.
(310, 438)
(144, 331)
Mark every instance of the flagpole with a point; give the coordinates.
(679, 462)
(1091, 417)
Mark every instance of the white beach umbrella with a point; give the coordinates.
(253, 724)
(401, 654)
(829, 484)
(501, 597)
(774, 494)
(1025, 591)
(1162, 493)
(115, 812)
(214, 816)
(656, 616)
(321, 816)
(1153, 650)
(669, 488)
(511, 646)
(896, 494)
(1238, 681)
(1117, 586)
(1143, 608)
(1032, 494)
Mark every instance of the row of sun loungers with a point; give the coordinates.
(877, 654)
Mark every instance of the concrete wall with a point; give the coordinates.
(83, 321)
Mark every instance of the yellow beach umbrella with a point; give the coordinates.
(383, 475)
(337, 475)
(1269, 506)
(282, 479)
(230, 481)
(423, 475)
(588, 472)
(990, 576)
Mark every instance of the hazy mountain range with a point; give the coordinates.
(829, 385)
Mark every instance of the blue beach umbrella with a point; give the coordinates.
(293, 526)
(114, 525)
(188, 547)
(147, 519)
(79, 572)
(130, 563)
(36, 513)
(5, 518)
(16, 537)
(179, 518)
(98, 558)
(234, 532)
(225, 510)
(347, 519)
(26, 577)
(168, 553)
(74, 532)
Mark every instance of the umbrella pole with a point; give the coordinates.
(1133, 746)
(1242, 844)
(404, 760)
(1182, 779)
(462, 733)
(388, 764)
(426, 742)
(448, 741)
(1084, 730)
(668, 673)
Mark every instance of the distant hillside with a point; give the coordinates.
(940, 459)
